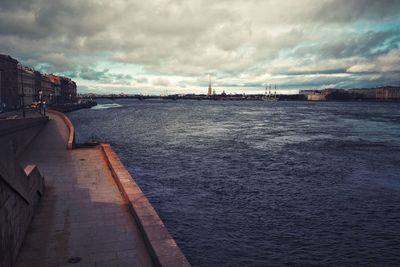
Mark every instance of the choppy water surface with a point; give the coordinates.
(264, 184)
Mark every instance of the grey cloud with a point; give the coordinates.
(12, 5)
(161, 82)
(386, 63)
(92, 74)
(369, 44)
(141, 80)
(340, 11)
(189, 38)
(104, 76)
(49, 18)
(319, 71)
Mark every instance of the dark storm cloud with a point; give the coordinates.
(345, 11)
(12, 5)
(255, 40)
(368, 44)
(104, 75)
(92, 74)
(319, 71)
(47, 18)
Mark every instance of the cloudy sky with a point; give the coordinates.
(149, 47)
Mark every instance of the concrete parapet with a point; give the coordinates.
(163, 248)
(20, 132)
(20, 189)
(35, 180)
(68, 123)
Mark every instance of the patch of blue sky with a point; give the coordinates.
(377, 26)
(121, 68)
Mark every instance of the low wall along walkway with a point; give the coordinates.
(20, 188)
(70, 126)
(20, 132)
(93, 213)
(162, 246)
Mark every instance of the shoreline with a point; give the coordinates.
(161, 245)
(280, 98)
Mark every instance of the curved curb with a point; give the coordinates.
(70, 126)
(163, 248)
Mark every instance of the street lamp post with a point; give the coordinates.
(40, 100)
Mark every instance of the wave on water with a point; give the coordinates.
(107, 106)
(250, 184)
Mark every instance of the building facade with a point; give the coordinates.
(38, 84)
(9, 98)
(388, 93)
(364, 93)
(20, 85)
(47, 90)
(68, 90)
(26, 86)
(54, 97)
(313, 95)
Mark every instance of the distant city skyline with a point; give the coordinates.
(150, 47)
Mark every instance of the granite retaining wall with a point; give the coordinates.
(20, 132)
(162, 247)
(70, 126)
(20, 188)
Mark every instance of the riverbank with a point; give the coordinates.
(83, 217)
(69, 107)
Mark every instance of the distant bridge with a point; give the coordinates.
(140, 97)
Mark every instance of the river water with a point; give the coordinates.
(263, 183)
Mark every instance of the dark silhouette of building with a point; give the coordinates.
(384, 93)
(68, 90)
(20, 84)
(9, 98)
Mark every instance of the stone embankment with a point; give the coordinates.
(20, 188)
(73, 106)
(162, 246)
(92, 213)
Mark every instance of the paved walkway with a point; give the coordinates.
(29, 113)
(82, 219)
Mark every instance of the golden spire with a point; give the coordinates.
(209, 85)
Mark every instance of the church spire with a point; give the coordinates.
(209, 85)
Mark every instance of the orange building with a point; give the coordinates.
(47, 89)
(56, 85)
(388, 93)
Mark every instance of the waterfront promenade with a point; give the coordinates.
(82, 218)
